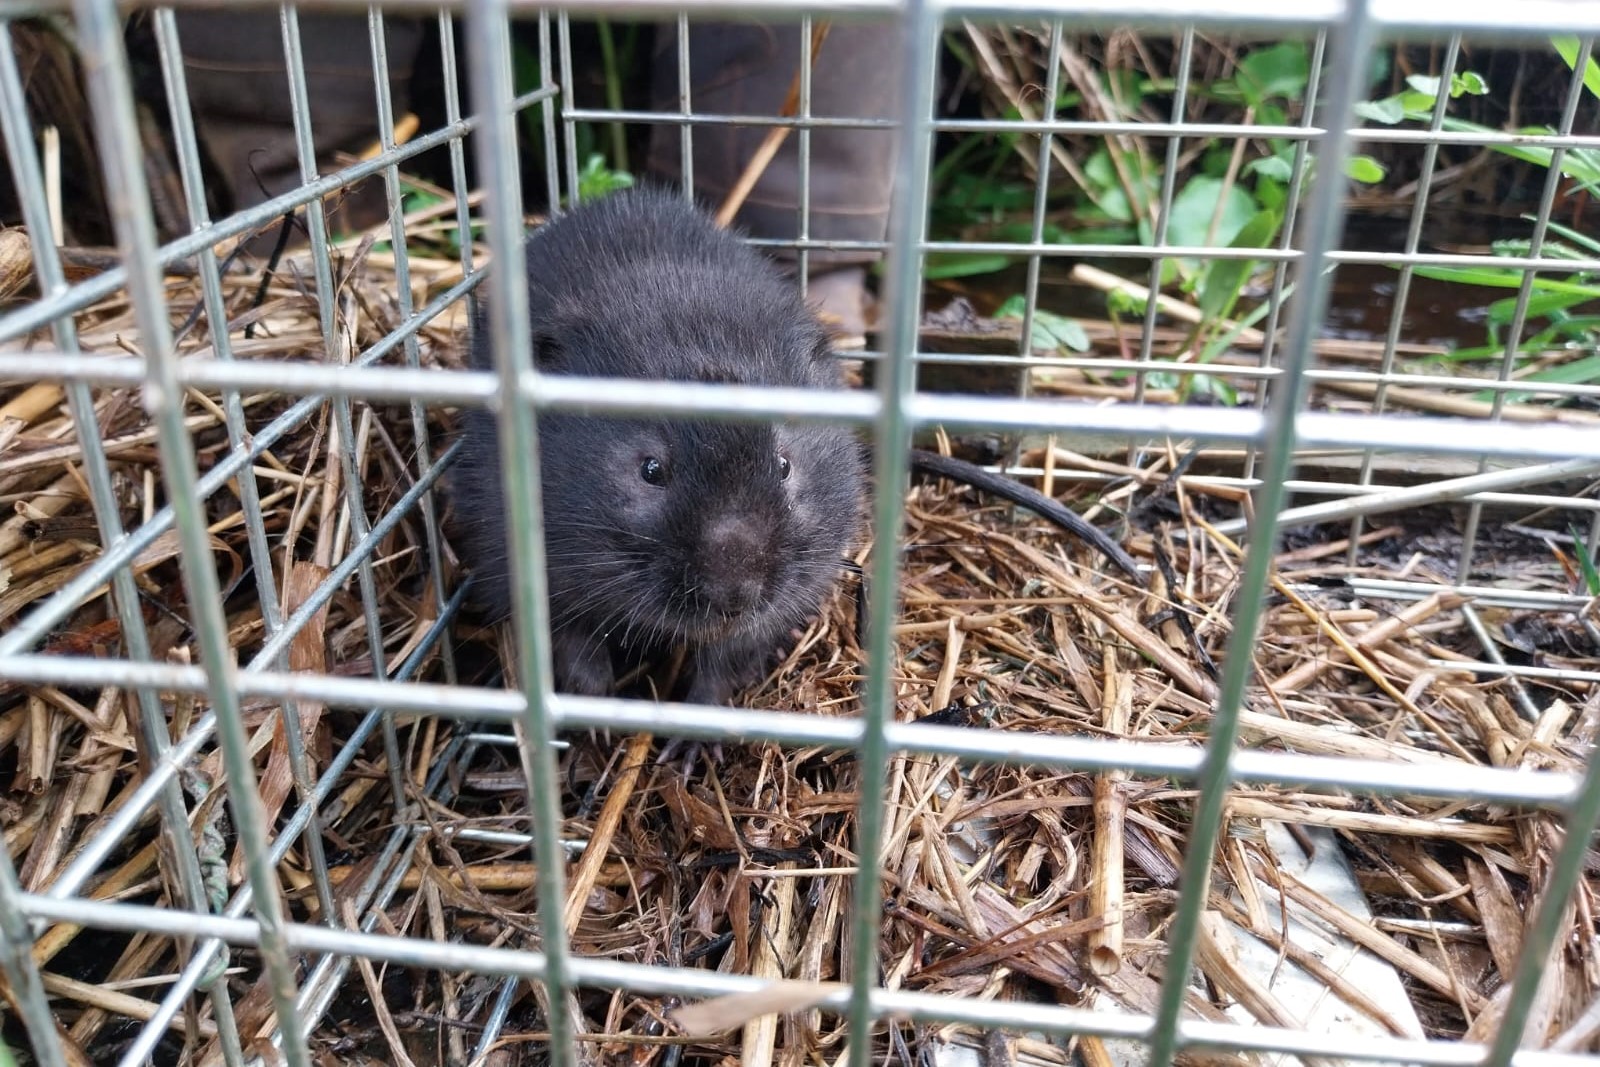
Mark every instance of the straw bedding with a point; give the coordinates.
(1000, 882)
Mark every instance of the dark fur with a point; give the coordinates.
(727, 558)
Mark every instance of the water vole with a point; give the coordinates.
(718, 536)
(721, 537)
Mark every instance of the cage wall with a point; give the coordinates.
(1319, 786)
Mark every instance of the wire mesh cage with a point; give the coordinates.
(1319, 788)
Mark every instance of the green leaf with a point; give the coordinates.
(1364, 169)
(1589, 244)
(1107, 193)
(1419, 106)
(1505, 278)
(1280, 71)
(1211, 385)
(1271, 194)
(1469, 83)
(597, 180)
(1195, 206)
(1122, 302)
(1222, 342)
(1224, 279)
(1577, 372)
(1387, 111)
(1426, 84)
(942, 265)
(1567, 48)
(1501, 312)
(1278, 168)
(1050, 331)
(1591, 578)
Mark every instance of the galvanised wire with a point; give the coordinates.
(40, 314)
(552, 182)
(475, 389)
(1541, 788)
(48, 272)
(474, 704)
(1279, 291)
(1531, 20)
(344, 443)
(249, 494)
(1525, 704)
(1402, 292)
(1576, 89)
(802, 146)
(1163, 219)
(896, 379)
(1319, 231)
(321, 979)
(920, 1007)
(413, 351)
(1433, 435)
(1043, 162)
(110, 92)
(488, 41)
(125, 371)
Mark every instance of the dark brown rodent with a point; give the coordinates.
(719, 536)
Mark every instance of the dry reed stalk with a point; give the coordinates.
(984, 862)
(1325, 740)
(1364, 822)
(1351, 651)
(1502, 918)
(589, 865)
(1110, 814)
(1104, 281)
(107, 1001)
(770, 959)
(1444, 403)
(1412, 616)
(142, 955)
(380, 1008)
(45, 503)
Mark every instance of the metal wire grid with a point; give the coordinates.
(255, 916)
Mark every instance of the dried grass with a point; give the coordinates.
(1001, 883)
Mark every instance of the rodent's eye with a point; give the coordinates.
(783, 467)
(653, 471)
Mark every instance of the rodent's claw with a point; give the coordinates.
(688, 753)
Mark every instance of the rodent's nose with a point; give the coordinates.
(731, 565)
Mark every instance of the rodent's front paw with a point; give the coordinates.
(712, 688)
(582, 667)
(687, 753)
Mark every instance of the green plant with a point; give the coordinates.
(1232, 192)
(1555, 332)
(1050, 331)
(598, 179)
(1586, 568)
